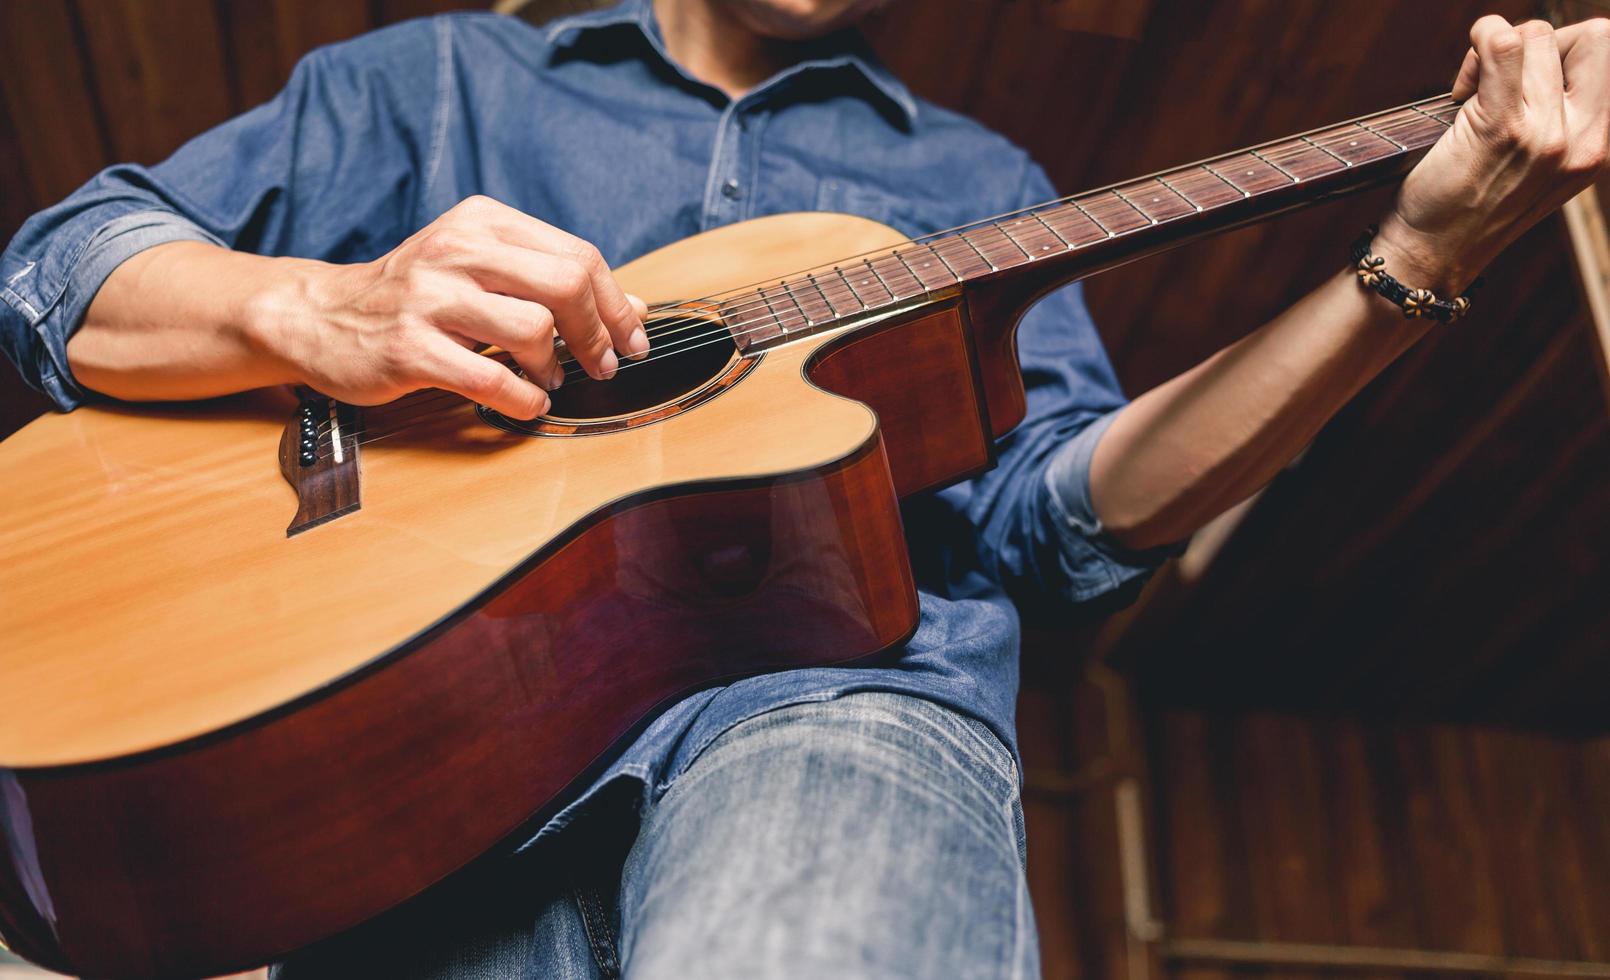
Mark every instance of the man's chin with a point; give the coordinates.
(800, 20)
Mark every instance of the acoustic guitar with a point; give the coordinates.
(273, 664)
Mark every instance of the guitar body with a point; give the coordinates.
(220, 742)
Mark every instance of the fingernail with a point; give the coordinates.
(637, 343)
(556, 377)
(608, 363)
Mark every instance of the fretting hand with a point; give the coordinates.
(482, 273)
(1533, 132)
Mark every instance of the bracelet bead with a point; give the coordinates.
(1415, 303)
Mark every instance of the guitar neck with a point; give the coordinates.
(1058, 241)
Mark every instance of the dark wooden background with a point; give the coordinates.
(1438, 554)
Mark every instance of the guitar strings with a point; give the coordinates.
(1297, 149)
(1390, 121)
(1008, 249)
(771, 319)
(733, 322)
(1011, 248)
(1412, 113)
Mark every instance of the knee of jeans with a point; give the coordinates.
(875, 723)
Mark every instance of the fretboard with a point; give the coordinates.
(1129, 218)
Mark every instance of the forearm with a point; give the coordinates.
(186, 320)
(1195, 446)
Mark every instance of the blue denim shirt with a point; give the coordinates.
(589, 125)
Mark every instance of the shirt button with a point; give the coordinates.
(730, 190)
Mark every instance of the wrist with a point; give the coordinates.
(277, 311)
(1422, 261)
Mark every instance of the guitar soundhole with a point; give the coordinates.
(681, 360)
(687, 363)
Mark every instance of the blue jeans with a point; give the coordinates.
(874, 835)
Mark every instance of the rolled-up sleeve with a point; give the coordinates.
(1092, 563)
(1038, 531)
(330, 168)
(35, 331)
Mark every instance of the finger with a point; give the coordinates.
(1542, 79)
(558, 284)
(1585, 51)
(483, 380)
(1498, 85)
(641, 309)
(616, 313)
(522, 328)
(1464, 84)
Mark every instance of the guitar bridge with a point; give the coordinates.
(319, 459)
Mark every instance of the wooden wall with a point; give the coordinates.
(1436, 550)
(1278, 843)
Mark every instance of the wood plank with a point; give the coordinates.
(1286, 831)
(266, 39)
(1490, 848)
(48, 98)
(1590, 246)
(159, 72)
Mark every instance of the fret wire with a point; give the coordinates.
(1182, 195)
(879, 277)
(851, 287)
(1138, 210)
(1225, 181)
(1010, 240)
(832, 311)
(1289, 175)
(1381, 129)
(1092, 217)
(1321, 149)
(1383, 136)
(964, 237)
(1114, 204)
(1338, 138)
(771, 311)
(789, 292)
(1067, 245)
(811, 278)
(913, 272)
(1415, 116)
(933, 250)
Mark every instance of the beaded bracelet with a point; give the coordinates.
(1372, 274)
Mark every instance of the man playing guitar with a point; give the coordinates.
(469, 180)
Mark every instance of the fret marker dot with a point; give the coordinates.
(1352, 142)
(1249, 173)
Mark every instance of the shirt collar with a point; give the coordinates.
(846, 48)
